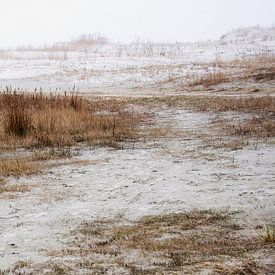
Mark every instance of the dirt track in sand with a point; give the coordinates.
(170, 174)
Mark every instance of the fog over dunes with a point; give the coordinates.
(46, 21)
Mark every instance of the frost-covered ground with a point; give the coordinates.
(177, 173)
(165, 176)
(118, 69)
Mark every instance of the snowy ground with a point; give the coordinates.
(117, 69)
(168, 175)
(172, 174)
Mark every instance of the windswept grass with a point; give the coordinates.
(261, 108)
(36, 120)
(184, 243)
(257, 68)
(210, 79)
(256, 127)
(14, 188)
(268, 234)
(18, 167)
(209, 103)
(237, 104)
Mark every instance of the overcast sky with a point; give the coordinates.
(45, 21)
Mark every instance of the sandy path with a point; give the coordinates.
(164, 176)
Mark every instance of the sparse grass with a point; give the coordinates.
(184, 242)
(51, 154)
(17, 116)
(52, 124)
(261, 74)
(257, 68)
(19, 265)
(147, 235)
(247, 62)
(237, 104)
(268, 234)
(213, 103)
(232, 144)
(211, 79)
(190, 242)
(263, 127)
(18, 167)
(189, 220)
(39, 121)
(249, 267)
(258, 61)
(14, 188)
(30, 164)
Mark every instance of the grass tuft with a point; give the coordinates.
(210, 79)
(36, 120)
(17, 117)
(18, 167)
(269, 234)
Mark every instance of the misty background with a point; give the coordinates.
(38, 22)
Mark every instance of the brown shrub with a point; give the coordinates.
(255, 127)
(38, 120)
(17, 118)
(18, 167)
(210, 79)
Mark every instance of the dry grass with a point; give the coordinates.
(38, 121)
(18, 167)
(212, 103)
(52, 124)
(51, 154)
(232, 144)
(266, 60)
(261, 74)
(258, 68)
(262, 109)
(247, 62)
(14, 188)
(34, 163)
(237, 104)
(183, 243)
(210, 79)
(268, 234)
(262, 127)
(17, 115)
(190, 242)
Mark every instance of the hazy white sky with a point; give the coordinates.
(45, 21)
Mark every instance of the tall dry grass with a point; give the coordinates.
(17, 115)
(259, 68)
(40, 120)
(18, 167)
(210, 79)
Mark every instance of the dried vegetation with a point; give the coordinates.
(48, 126)
(36, 120)
(261, 108)
(192, 242)
(258, 69)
